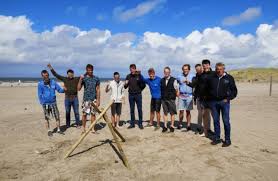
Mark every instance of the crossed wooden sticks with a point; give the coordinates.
(113, 130)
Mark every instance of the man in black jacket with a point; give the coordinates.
(222, 90)
(201, 92)
(135, 84)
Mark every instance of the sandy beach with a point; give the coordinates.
(27, 153)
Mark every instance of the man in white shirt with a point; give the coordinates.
(117, 95)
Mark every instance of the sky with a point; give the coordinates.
(111, 34)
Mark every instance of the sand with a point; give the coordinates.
(27, 153)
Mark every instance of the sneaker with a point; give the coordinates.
(210, 132)
(226, 143)
(148, 125)
(157, 128)
(141, 127)
(188, 128)
(60, 132)
(215, 142)
(172, 129)
(202, 135)
(179, 126)
(130, 127)
(49, 133)
(164, 130)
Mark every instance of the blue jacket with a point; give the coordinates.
(46, 93)
(154, 86)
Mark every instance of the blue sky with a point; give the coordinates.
(174, 18)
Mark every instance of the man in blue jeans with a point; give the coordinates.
(222, 89)
(135, 84)
(71, 96)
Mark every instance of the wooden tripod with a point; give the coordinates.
(113, 130)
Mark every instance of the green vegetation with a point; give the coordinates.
(255, 74)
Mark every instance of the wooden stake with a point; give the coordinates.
(107, 121)
(88, 131)
(270, 88)
(116, 140)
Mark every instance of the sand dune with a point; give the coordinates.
(27, 153)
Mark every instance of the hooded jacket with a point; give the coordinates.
(46, 93)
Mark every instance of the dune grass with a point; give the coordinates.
(255, 74)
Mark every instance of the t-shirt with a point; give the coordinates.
(90, 84)
(155, 86)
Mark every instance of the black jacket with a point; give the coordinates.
(135, 83)
(222, 88)
(200, 85)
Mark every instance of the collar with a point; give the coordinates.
(222, 75)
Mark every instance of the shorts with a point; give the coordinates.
(155, 105)
(116, 108)
(51, 110)
(169, 106)
(87, 108)
(204, 104)
(186, 103)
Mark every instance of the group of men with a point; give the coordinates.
(210, 90)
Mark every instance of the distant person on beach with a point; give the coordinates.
(154, 83)
(222, 89)
(169, 92)
(116, 87)
(47, 98)
(91, 95)
(135, 84)
(71, 94)
(185, 96)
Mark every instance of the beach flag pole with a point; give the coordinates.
(270, 86)
(114, 132)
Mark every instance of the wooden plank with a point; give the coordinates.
(88, 131)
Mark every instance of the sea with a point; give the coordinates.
(33, 79)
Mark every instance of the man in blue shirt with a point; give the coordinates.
(154, 83)
(185, 96)
(47, 98)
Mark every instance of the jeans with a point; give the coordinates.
(135, 98)
(223, 107)
(75, 104)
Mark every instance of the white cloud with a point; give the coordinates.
(71, 46)
(248, 15)
(141, 9)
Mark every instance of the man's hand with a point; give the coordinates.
(65, 88)
(49, 66)
(225, 100)
(81, 77)
(126, 82)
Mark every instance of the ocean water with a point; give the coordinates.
(33, 79)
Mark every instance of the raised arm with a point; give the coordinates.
(79, 85)
(62, 78)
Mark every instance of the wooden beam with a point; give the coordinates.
(88, 131)
(108, 121)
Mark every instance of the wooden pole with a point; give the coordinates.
(116, 140)
(87, 132)
(270, 86)
(114, 131)
(108, 121)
